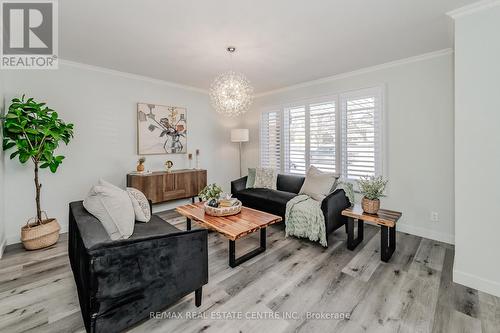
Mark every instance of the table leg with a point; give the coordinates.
(351, 241)
(188, 223)
(387, 242)
(233, 261)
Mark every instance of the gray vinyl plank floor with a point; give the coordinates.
(295, 286)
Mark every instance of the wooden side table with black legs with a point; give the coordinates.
(387, 220)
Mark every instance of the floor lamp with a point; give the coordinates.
(239, 135)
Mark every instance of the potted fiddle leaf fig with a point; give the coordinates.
(372, 189)
(34, 131)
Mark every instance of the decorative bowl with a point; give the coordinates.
(222, 211)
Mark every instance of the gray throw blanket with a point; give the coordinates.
(304, 218)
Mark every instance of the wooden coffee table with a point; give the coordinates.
(232, 227)
(385, 218)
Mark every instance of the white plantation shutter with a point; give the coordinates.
(270, 140)
(295, 140)
(322, 140)
(361, 133)
(341, 134)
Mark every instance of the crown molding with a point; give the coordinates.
(365, 70)
(472, 8)
(128, 75)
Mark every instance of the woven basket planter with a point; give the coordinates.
(370, 206)
(36, 237)
(222, 211)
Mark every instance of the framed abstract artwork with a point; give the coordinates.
(161, 129)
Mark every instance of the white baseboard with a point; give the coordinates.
(417, 231)
(2, 247)
(476, 282)
(427, 233)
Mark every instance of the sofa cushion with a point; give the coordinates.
(250, 178)
(265, 178)
(289, 183)
(264, 199)
(140, 203)
(113, 208)
(318, 184)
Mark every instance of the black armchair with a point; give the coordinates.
(120, 282)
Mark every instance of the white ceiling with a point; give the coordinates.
(280, 42)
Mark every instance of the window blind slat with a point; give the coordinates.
(322, 136)
(295, 140)
(270, 140)
(361, 134)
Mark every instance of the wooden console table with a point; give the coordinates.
(387, 220)
(162, 186)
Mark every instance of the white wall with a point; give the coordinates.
(477, 152)
(2, 169)
(102, 105)
(419, 114)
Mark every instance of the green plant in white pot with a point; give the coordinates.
(372, 189)
(211, 193)
(34, 132)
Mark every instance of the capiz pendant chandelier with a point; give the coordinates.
(231, 93)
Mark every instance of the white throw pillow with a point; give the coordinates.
(108, 184)
(265, 178)
(318, 184)
(113, 208)
(140, 204)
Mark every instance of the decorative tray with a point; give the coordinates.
(222, 211)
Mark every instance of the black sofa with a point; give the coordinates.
(120, 282)
(287, 187)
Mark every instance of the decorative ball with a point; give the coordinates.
(213, 203)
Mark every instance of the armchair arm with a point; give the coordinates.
(332, 207)
(180, 260)
(238, 184)
(147, 275)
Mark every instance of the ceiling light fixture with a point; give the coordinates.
(231, 93)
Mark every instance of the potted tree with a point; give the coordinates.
(372, 189)
(34, 131)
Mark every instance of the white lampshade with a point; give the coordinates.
(239, 135)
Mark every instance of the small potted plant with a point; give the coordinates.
(140, 164)
(34, 131)
(372, 189)
(211, 193)
(218, 203)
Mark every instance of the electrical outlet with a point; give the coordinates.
(434, 216)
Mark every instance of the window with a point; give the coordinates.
(361, 134)
(322, 136)
(339, 134)
(270, 140)
(295, 140)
